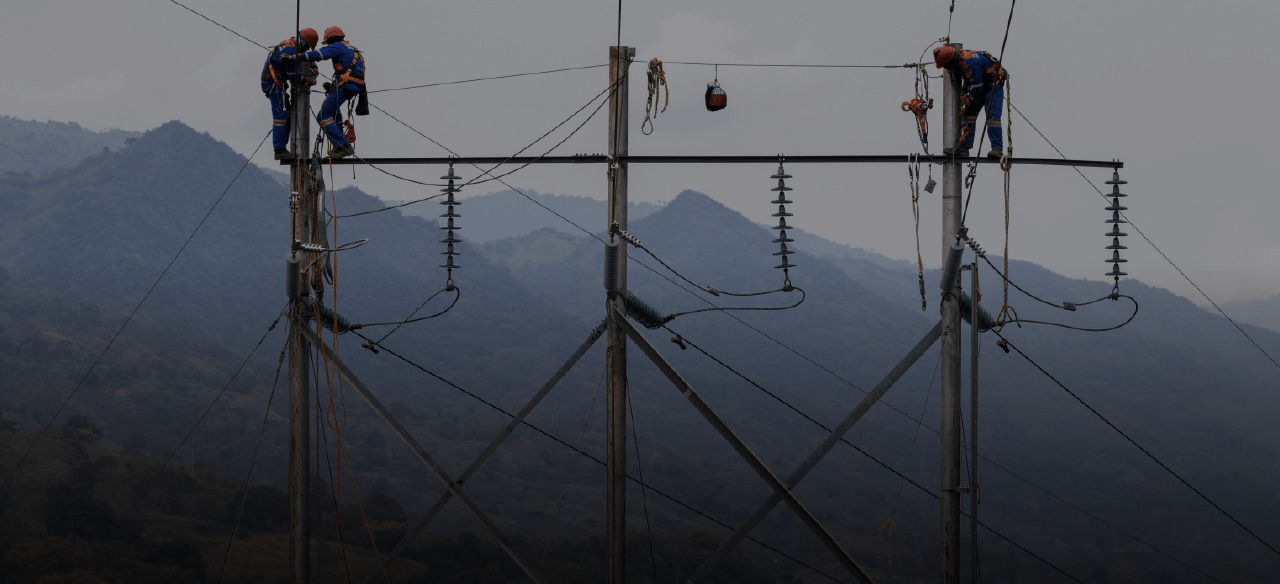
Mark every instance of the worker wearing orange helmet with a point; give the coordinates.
(276, 75)
(348, 82)
(983, 86)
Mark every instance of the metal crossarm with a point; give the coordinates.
(493, 446)
(455, 488)
(809, 463)
(772, 159)
(782, 490)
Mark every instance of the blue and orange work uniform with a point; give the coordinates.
(276, 74)
(984, 78)
(348, 71)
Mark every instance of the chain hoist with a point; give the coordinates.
(782, 226)
(450, 227)
(1115, 233)
(920, 106)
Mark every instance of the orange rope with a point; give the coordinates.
(367, 526)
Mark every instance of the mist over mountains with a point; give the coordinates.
(83, 242)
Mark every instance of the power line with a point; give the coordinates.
(594, 459)
(1139, 446)
(796, 65)
(219, 25)
(863, 452)
(490, 78)
(94, 366)
(1148, 240)
(851, 384)
(253, 460)
(142, 493)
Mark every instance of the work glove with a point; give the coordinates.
(288, 57)
(327, 87)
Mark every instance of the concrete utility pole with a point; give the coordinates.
(952, 190)
(616, 359)
(302, 206)
(974, 324)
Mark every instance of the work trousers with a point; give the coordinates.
(279, 114)
(331, 112)
(993, 100)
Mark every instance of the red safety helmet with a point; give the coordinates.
(941, 55)
(310, 36)
(331, 32)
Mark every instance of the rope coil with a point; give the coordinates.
(657, 81)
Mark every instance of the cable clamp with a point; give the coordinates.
(369, 345)
(711, 290)
(973, 174)
(1069, 306)
(679, 341)
(1003, 344)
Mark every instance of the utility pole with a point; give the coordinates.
(952, 188)
(301, 205)
(616, 357)
(974, 324)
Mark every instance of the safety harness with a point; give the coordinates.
(350, 75)
(269, 71)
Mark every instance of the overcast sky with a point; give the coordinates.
(1175, 89)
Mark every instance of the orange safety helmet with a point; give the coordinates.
(331, 32)
(311, 37)
(943, 55)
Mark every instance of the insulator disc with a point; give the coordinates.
(1115, 234)
(1116, 261)
(1116, 182)
(451, 214)
(781, 201)
(1117, 208)
(1116, 221)
(785, 264)
(450, 253)
(451, 202)
(783, 240)
(783, 253)
(1115, 246)
(783, 215)
(781, 189)
(779, 176)
(785, 227)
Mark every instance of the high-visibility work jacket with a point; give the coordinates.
(981, 73)
(348, 63)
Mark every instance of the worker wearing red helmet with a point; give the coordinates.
(348, 82)
(983, 79)
(276, 75)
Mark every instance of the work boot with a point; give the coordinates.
(958, 152)
(283, 154)
(995, 153)
(342, 151)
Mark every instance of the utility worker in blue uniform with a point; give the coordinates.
(983, 86)
(348, 82)
(276, 75)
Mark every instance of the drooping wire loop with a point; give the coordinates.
(782, 226)
(450, 226)
(1115, 234)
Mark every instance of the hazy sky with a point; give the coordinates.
(1175, 89)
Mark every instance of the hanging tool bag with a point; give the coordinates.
(716, 98)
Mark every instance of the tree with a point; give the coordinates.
(70, 509)
(78, 427)
(265, 509)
